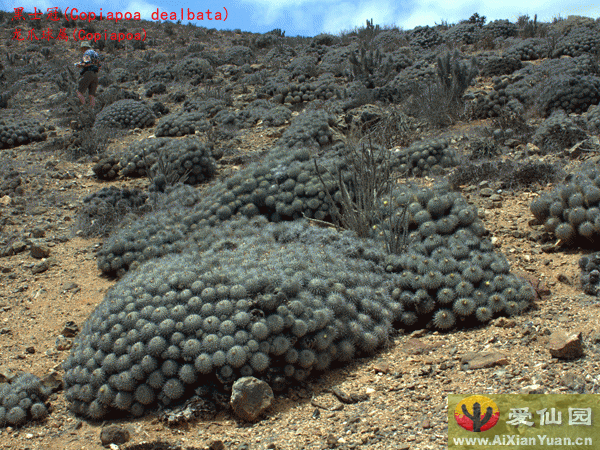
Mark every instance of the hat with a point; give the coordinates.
(85, 44)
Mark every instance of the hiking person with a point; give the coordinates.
(90, 63)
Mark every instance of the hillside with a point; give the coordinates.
(500, 114)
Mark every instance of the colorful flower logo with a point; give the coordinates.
(477, 413)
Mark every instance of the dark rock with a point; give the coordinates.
(548, 248)
(250, 397)
(39, 250)
(114, 435)
(216, 445)
(70, 329)
(18, 247)
(38, 232)
(563, 279)
(565, 345)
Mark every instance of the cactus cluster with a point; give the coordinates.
(428, 156)
(528, 49)
(571, 211)
(281, 300)
(559, 132)
(277, 304)
(180, 124)
(125, 114)
(23, 400)
(590, 273)
(14, 133)
(101, 211)
(578, 41)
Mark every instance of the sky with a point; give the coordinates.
(312, 17)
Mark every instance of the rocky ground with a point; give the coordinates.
(396, 399)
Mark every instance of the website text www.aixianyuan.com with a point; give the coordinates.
(515, 439)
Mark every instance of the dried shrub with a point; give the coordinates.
(441, 102)
(365, 181)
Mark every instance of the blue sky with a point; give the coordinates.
(310, 17)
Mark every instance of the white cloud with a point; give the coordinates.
(346, 16)
(333, 16)
(144, 8)
(434, 11)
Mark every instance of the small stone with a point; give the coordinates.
(418, 333)
(38, 232)
(114, 435)
(486, 192)
(39, 250)
(30, 350)
(40, 267)
(72, 287)
(426, 424)
(415, 347)
(70, 329)
(565, 345)
(216, 445)
(532, 389)
(7, 375)
(573, 382)
(18, 247)
(595, 337)
(576, 150)
(476, 360)
(548, 248)
(250, 397)
(382, 367)
(341, 395)
(504, 322)
(563, 279)
(63, 343)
